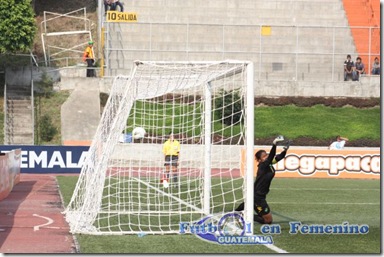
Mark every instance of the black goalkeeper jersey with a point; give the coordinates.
(266, 172)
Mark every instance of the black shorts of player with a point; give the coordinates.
(261, 206)
(171, 160)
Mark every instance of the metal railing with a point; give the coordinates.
(298, 53)
(78, 25)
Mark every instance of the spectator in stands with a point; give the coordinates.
(89, 57)
(113, 5)
(349, 69)
(360, 68)
(106, 5)
(339, 143)
(376, 67)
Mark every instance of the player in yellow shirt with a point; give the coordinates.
(171, 151)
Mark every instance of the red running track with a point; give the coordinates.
(31, 219)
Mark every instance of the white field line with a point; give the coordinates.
(171, 196)
(315, 203)
(275, 248)
(326, 189)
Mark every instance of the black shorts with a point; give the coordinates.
(261, 205)
(171, 160)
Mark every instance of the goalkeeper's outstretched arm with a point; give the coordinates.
(281, 156)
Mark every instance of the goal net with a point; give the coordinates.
(208, 108)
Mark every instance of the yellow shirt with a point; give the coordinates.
(88, 53)
(171, 148)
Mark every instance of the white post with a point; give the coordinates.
(100, 14)
(6, 142)
(333, 54)
(207, 148)
(249, 150)
(33, 111)
(369, 51)
(260, 52)
(297, 50)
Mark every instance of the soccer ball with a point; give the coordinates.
(138, 133)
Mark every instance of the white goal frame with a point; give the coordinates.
(75, 222)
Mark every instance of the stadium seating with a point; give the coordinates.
(365, 13)
(214, 30)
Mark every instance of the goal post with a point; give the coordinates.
(208, 107)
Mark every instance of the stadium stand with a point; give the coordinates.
(365, 13)
(287, 40)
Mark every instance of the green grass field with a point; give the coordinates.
(310, 201)
(318, 121)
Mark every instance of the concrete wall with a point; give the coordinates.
(80, 114)
(236, 11)
(9, 171)
(368, 86)
(191, 156)
(150, 155)
(22, 76)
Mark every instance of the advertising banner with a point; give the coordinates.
(323, 163)
(50, 159)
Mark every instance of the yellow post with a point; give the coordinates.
(102, 53)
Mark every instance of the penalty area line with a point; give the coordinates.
(275, 248)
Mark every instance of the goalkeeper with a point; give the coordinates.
(171, 151)
(265, 174)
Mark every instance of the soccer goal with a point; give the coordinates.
(209, 109)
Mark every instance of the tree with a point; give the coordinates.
(17, 26)
(47, 130)
(44, 87)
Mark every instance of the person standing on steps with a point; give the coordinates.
(89, 58)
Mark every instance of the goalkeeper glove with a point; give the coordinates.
(286, 147)
(278, 139)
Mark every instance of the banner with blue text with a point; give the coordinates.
(50, 159)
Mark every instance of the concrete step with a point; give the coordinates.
(22, 122)
(25, 127)
(20, 117)
(21, 134)
(309, 6)
(250, 20)
(18, 97)
(299, 14)
(18, 131)
(18, 91)
(18, 102)
(145, 32)
(26, 139)
(19, 107)
(300, 76)
(20, 113)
